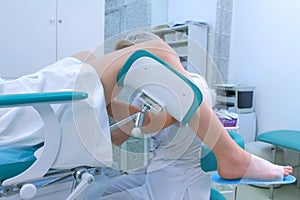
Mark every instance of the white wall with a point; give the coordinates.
(265, 52)
(197, 10)
(159, 12)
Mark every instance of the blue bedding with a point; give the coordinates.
(14, 160)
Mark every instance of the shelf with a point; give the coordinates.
(178, 43)
(188, 41)
(183, 27)
(231, 128)
(169, 30)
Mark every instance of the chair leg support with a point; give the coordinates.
(84, 179)
(298, 171)
(235, 192)
(271, 190)
(51, 147)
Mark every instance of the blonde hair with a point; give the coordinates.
(136, 37)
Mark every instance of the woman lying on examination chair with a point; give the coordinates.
(175, 174)
(233, 162)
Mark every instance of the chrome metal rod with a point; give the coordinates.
(123, 122)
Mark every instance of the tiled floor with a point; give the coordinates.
(248, 192)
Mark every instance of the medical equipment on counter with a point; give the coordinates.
(236, 98)
(228, 119)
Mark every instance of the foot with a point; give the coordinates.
(248, 167)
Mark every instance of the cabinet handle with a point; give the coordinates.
(60, 21)
(52, 20)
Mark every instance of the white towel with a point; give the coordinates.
(14, 126)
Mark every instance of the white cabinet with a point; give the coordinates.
(190, 41)
(37, 33)
(28, 37)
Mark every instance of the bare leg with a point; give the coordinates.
(229, 155)
(205, 123)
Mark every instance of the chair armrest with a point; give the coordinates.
(41, 102)
(15, 100)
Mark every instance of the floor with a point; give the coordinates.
(248, 192)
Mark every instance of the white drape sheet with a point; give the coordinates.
(85, 128)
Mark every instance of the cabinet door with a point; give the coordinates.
(80, 26)
(27, 36)
(197, 48)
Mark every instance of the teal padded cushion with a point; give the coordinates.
(15, 160)
(208, 159)
(237, 138)
(216, 195)
(289, 139)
